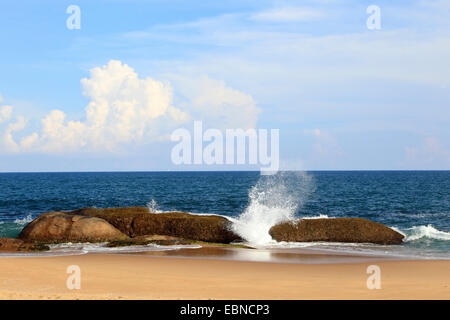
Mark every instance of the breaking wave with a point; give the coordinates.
(25, 220)
(420, 232)
(274, 199)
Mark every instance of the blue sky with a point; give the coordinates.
(344, 97)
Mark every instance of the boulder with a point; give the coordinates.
(15, 245)
(138, 221)
(336, 230)
(56, 227)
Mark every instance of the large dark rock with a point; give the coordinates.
(17, 245)
(138, 221)
(61, 227)
(336, 230)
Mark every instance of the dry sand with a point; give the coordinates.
(106, 276)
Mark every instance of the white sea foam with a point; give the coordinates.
(25, 220)
(320, 216)
(102, 248)
(154, 208)
(363, 249)
(419, 232)
(274, 199)
(68, 249)
(40, 254)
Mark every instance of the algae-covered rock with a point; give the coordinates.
(336, 230)
(57, 227)
(138, 221)
(17, 245)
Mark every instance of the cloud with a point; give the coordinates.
(122, 108)
(325, 144)
(125, 110)
(5, 113)
(270, 59)
(430, 152)
(287, 14)
(7, 140)
(217, 104)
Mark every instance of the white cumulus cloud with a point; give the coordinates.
(7, 139)
(217, 104)
(122, 108)
(125, 109)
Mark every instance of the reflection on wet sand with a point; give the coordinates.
(263, 255)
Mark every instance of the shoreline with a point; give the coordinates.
(241, 252)
(271, 254)
(149, 276)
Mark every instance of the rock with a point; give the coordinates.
(142, 242)
(61, 227)
(336, 230)
(15, 245)
(158, 237)
(138, 221)
(8, 244)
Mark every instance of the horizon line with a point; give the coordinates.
(230, 171)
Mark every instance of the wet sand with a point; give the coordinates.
(297, 255)
(201, 274)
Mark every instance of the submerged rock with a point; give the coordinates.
(62, 227)
(336, 230)
(142, 242)
(17, 245)
(137, 221)
(158, 237)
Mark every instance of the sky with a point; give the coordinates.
(107, 96)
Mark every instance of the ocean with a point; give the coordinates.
(416, 203)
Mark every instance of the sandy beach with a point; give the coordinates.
(114, 276)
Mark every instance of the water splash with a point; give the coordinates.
(153, 207)
(274, 199)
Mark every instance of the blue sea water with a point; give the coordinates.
(417, 203)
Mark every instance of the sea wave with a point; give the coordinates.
(320, 216)
(25, 220)
(68, 249)
(420, 232)
(274, 199)
(102, 248)
(154, 208)
(363, 249)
